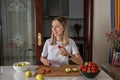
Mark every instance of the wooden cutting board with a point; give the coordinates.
(58, 71)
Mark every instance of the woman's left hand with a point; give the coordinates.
(63, 51)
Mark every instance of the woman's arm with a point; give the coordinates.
(76, 58)
(44, 54)
(45, 61)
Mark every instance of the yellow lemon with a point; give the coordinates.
(28, 73)
(39, 77)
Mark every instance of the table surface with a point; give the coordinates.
(8, 73)
(113, 71)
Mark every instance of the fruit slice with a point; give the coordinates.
(48, 70)
(75, 69)
(67, 70)
(43, 71)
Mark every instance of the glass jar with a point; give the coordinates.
(116, 59)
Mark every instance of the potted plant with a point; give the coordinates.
(114, 38)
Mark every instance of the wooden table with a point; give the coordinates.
(113, 71)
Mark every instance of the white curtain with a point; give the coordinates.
(18, 29)
(117, 14)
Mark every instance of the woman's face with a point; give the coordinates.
(57, 28)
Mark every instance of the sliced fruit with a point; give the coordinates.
(43, 71)
(67, 70)
(75, 69)
(48, 70)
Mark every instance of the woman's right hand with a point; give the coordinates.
(45, 61)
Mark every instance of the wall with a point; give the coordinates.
(101, 25)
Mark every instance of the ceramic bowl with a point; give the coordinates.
(90, 75)
(21, 66)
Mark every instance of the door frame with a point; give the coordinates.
(88, 29)
(39, 28)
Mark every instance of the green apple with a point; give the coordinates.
(39, 77)
(28, 73)
(67, 70)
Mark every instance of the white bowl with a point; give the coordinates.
(21, 66)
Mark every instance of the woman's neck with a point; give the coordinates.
(59, 39)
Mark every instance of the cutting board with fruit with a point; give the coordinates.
(66, 70)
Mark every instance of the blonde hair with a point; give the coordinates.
(63, 22)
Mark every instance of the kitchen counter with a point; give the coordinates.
(113, 71)
(8, 73)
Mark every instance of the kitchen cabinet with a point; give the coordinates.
(45, 7)
(68, 8)
(56, 7)
(76, 8)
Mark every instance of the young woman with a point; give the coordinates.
(59, 49)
